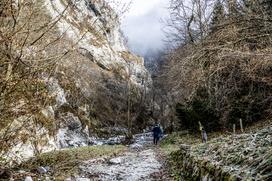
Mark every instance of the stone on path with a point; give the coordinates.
(136, 146)
(28, 178)
(42, 170)
(115, 161)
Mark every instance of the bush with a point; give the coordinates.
(198, 110)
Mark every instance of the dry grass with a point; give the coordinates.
(172, 142)
(245, 155)
(66, 162)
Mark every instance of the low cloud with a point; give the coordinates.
(144, 30)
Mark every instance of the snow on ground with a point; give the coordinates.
(130, 167)
(138, 164)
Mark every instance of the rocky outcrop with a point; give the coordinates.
(94, 77)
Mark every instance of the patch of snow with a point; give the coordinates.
(144, 138)
(82, 179)
(28, 178)
(136, 146)
(77, 179)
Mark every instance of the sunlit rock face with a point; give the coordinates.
(89, 84)
(93, 30)
(99, 67)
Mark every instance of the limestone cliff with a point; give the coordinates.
(87, 72)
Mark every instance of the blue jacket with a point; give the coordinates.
(157, 132)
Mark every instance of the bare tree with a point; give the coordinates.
(189, 20)
(22, 60)
(217, 68)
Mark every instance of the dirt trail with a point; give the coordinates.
(140, 162)
(131, 167)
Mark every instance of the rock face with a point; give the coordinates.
(88, 84)
(99, 70)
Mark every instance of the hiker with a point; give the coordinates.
(203, 133)
(157, 133)
(204, 136)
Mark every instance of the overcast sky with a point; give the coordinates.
(142, 24)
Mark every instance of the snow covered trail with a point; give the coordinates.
(139, 163)
(132, 166)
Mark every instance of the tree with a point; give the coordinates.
(218, 16)
(20, 81)
(233, 9)
(267, 6)
(189, 21)
(218, 70)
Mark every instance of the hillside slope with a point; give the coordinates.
(244, 156)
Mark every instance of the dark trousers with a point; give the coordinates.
(156, 140)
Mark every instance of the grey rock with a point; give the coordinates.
(48, 112)
(68, 138)
(136, 146)
(28, 178)
(47, 168)
(21, 171)
(72, 121)
(42, 170)
(115, 161)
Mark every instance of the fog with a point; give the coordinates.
(143, 25)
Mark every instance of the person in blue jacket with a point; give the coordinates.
(157, 133)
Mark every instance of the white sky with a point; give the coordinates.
(142, 24)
